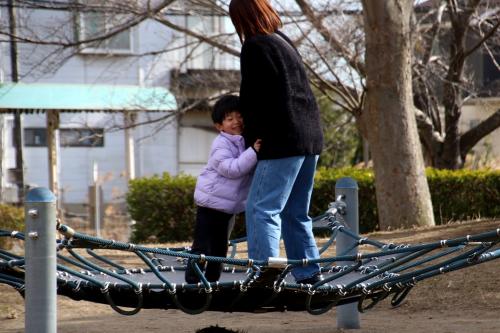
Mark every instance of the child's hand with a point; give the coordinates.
(256, 145)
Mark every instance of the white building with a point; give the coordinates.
(132, 58)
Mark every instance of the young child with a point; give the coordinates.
(222, 187)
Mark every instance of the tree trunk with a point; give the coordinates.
(403, 197)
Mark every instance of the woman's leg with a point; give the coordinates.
(271, 186)
(296, 223)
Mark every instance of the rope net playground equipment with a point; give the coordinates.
(380, 271)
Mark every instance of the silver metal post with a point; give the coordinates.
(97, 198)
(347, 188)
(40, 254)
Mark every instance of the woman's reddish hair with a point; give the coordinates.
(253, 17)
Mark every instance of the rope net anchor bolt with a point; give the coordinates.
(33, 213)
(33, 235)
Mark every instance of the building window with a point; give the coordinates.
(491, 61)
(35, 137)
(491, 72)
(92, 24)
(473, 123)
(81, 137)
(68, 137)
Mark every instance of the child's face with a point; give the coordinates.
(232, 124)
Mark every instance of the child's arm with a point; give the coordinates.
(256, 145)
(230, 167)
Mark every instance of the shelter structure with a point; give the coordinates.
(53, 99)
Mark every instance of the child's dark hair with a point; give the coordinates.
(225, 105)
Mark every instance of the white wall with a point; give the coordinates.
(196, 134)
(156, 146)
(154, 155)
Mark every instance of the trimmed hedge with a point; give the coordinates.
(464, 194)
(163, 208)
(456, 194)
(11, 218)
(165, 211)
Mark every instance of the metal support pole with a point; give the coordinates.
(129, 119)
(53, 122)
(348, 315)
(129, 123)
(97, 200)
(41, 283)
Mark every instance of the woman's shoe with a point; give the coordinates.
(311, 280)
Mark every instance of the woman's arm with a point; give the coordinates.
(258, 87)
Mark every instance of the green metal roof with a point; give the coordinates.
(30, 97)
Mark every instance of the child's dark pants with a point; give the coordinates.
(210, 239)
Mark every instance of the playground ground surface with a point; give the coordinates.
(464, 301)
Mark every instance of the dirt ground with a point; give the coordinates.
(464, 301)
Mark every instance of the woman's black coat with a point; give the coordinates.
(277, 102)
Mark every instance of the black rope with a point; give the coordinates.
(121, 311)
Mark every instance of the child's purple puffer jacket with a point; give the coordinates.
(225, 181)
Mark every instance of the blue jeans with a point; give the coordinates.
(278, 206)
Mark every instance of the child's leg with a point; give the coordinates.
(201, 241)
(230, 226)
(219, 243)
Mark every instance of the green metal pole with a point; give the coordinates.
(40, 254)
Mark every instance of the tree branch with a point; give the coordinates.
(451, 98)
(330, 38)
(434, 32)
(347, 94)
(432, 139)
(201, 37)
(470, 138)
(141, 16)
(485, 37)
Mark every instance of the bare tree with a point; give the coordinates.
(403, 197)
(449, 33)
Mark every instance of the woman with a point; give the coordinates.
(278, 106)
